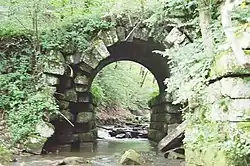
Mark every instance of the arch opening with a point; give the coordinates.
(122, 90)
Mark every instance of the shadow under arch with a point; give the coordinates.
(141, 52)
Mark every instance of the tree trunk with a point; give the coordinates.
(239, 54)
(205, 23)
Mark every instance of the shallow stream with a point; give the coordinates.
(106, 152)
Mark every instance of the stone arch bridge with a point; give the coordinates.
(71, 75)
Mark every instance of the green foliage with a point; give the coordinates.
(24, 98)
(74, 36)
(189, 68)
(5, 154)
(121, 86)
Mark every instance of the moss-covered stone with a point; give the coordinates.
(35, 144)
(208, 156)
(226, 64)
(5, 154)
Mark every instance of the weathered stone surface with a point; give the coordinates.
(52, 80)
(63, 104)
(109, 37)
(211, 156)
(161, 126)
(54, 68)
(90, 59)
(230, 110)
(155, 135)
(165, 108)
(66, 114)
(141, 33)
(84, 117)
(172, 139)
(172, 127)
(88, 137)
(244, 38)
(70, 95)
(101, 49)
(225, 64)
(235, 87)
(121, 33)
(175, 36)
(85, 67)
(82, 80)
(81, 88)
(74, 59)
(45, 130)
(166, 117)
(34, 144)
(84, 127)
(130, 157)
(84, 98)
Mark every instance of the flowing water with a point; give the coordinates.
(106, 152)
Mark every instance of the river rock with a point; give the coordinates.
(34, 144)
(130, 157)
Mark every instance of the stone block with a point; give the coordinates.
(84, 117)
(82, 107)
(175, 36)
(63, 104)
(84, 127)
(166, 117)
(161, 126)
(70, 95)
(85, 67)
(109, 37)
(90, 59)
(165, 108)
(52, 80)
(226, 64)
(101, 49)
(88, 137)
(54, 68)
(81, 88)
(121, 33)
(67, 114)
(152, 134)
(141, 33)
(84, 98)
(235, 87)
(230, 110)
(82, 80)
(74, 58)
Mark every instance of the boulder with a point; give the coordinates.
(34, 144)
(130, 157)
(45, 129)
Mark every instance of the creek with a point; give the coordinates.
(106, 152)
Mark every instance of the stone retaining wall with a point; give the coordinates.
(218, 133)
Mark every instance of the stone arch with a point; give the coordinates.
(140, 52)
(71, 76)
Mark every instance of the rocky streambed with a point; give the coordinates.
(107, 151)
